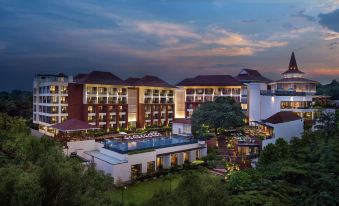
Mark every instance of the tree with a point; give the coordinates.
(223, 113)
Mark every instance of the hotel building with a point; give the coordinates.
(100, 98)
(50, 99)
(106, 101)
(206, 88)
(291, 93)
(154, 101)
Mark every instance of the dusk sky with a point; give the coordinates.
(172, 39)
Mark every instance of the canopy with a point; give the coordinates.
(73, 125)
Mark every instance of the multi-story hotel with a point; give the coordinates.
(106, 101)
(206, 88)
(50, 99)
(291, 93)
(154, 101)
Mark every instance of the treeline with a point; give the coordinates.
(17, 104)
(35, 172)
(331, 89)
(304, 172)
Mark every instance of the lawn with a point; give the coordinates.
(140, 192)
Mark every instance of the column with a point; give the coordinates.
(180, 158)
(203, 152)
(192, 155)
(144, 167)
(167, 161)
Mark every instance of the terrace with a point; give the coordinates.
(147, 144)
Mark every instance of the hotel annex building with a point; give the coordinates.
(106, 101)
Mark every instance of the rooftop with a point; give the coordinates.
(73, 125)
(251, 75)
(296, 79)
(282, 117)
(109, 159)
(99, 77)
(150, 81)
(182, 120)
(147, 144)
(211, 80)
(293, 66)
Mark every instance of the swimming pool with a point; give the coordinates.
(153, 143)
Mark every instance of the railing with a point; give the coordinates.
(283, 93)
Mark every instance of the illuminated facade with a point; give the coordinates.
(106, 101)
(50, 99)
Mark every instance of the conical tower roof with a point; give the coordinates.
(293, 66)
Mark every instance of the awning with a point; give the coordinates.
(73, 125)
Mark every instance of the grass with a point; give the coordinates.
(143, 191)
(140, 192)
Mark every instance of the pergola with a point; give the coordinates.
(72, 129)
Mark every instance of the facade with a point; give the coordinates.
(206, 88)
(106, 101)
(50, 100)
(100, 98)
(182, 126)
(154, 100)
(291, 93)
(126, 161)
(285, 125)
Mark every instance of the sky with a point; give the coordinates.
(172, 39)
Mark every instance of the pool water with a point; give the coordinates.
(153, 143)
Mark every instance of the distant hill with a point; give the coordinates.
(331, 89)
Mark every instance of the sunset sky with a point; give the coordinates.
(172, 39)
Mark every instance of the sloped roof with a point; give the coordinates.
(182, 120)
(73, 125)
(293, 66)
(251, 75)
(99, 77)
(131, 80)
(281, 117)
(297, 79)
(211, 80)
(150, 81)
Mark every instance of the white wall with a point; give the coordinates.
(180, 128)
(254, 100)
(81, 146)
(270, 105)
(286, 130)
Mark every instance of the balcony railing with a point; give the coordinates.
(283, 93)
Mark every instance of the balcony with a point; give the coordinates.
(283, 93)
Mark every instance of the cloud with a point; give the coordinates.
(330, 35)
(324, 71)
(294, 33)
(224, 37)
(164, 29)
(330, 20)
(301, 14)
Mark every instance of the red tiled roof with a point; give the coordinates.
(281, 117)
(151, 81)
(251, 75)
(297, 79)
(182, 121)
(211, 80)
(73, 125)
(131, 80)
(99, 77)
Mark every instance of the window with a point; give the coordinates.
(150, 167)
(295, 104)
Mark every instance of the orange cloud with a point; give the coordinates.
(324, 71)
